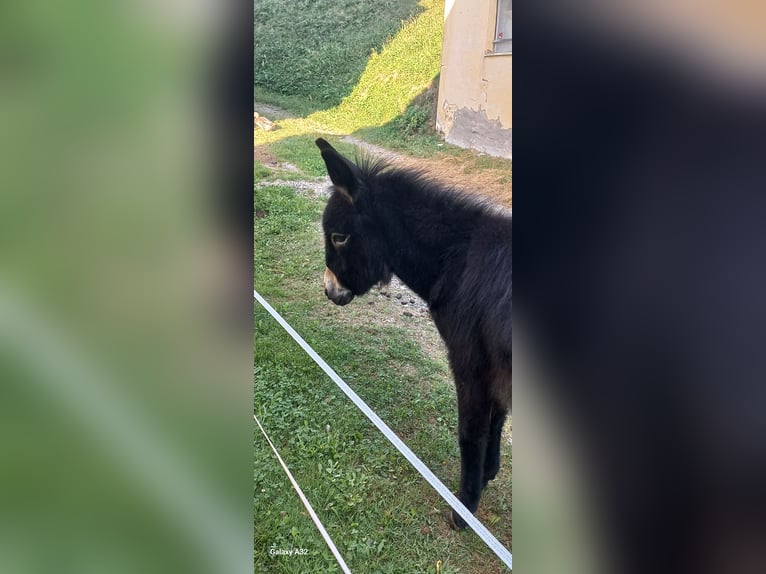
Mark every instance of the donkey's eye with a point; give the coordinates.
(339, 239)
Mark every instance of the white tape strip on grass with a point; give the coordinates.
(488, 538)
(306, 503)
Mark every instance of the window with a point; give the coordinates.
(503, 33)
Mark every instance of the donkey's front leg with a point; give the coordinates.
(492, 460)
(473, 434)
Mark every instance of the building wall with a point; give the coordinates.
(474, 104)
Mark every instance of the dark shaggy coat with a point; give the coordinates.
(455, 252)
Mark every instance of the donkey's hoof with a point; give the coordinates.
(455, 521)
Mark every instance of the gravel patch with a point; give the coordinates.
(313, 187)
(401, 299)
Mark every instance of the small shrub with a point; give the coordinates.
(414, 120)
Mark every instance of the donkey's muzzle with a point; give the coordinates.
(336, 292)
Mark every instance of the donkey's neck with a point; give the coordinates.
(426, 230)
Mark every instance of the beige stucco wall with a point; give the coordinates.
(474, 103)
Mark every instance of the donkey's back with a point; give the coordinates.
(473, 306)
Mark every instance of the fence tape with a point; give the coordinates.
(489, 539)
(306, 503)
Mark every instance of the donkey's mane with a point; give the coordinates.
(421, 183)
(370, 165)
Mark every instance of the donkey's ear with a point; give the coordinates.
(343, 173)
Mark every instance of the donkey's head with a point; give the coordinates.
(355, 253)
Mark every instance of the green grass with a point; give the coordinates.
(260, 171)
(390, 79)
(298, 105)
(303, 152)
(315, 51)
(382, 515)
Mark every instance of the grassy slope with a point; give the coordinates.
(381, 514)
(310, 54)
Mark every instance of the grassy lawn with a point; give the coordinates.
(303, 152)
(381, 514)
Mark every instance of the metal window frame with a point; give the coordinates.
(496, 43)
